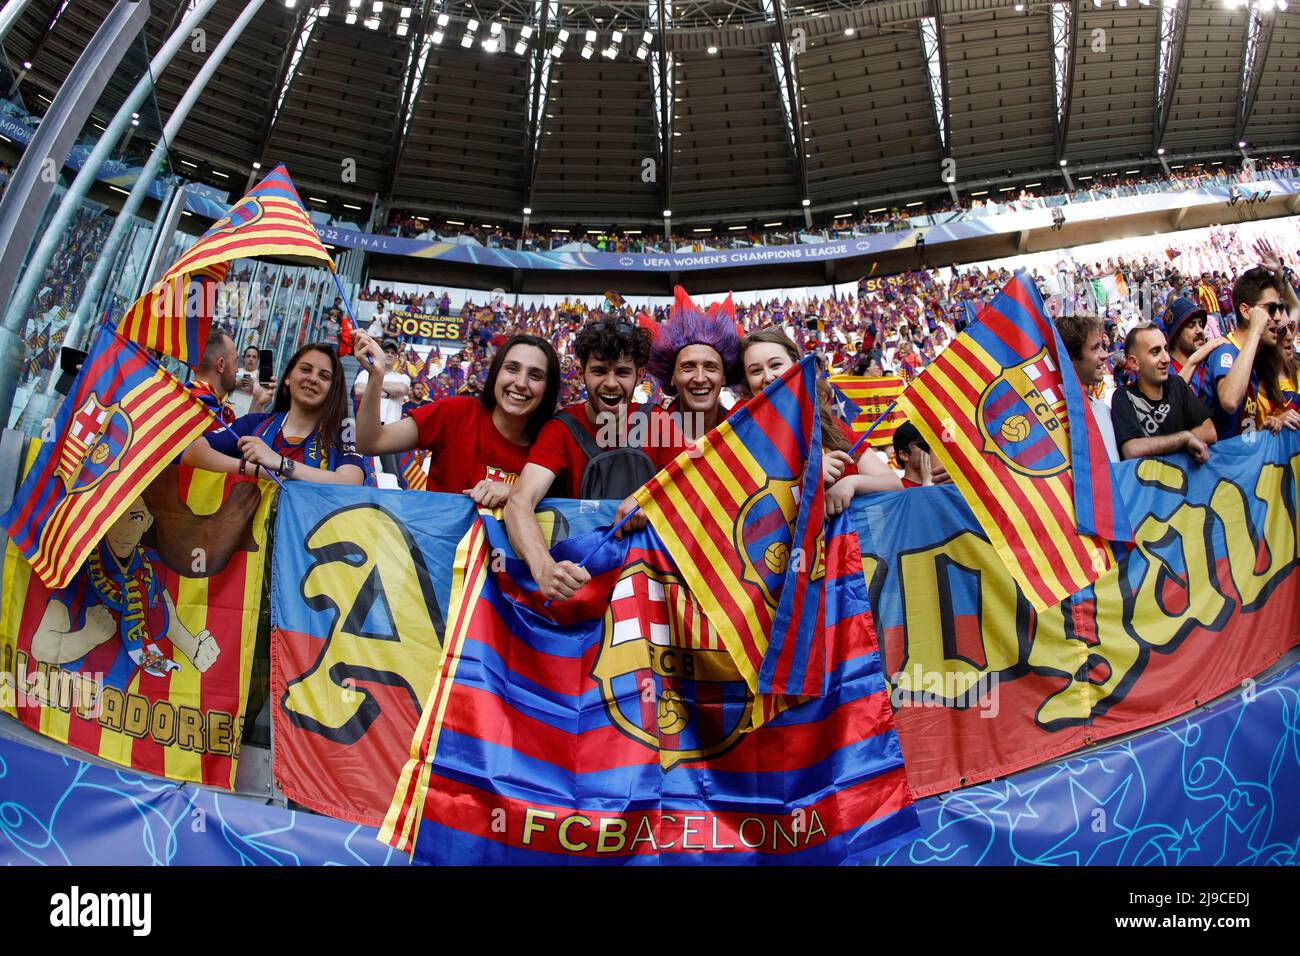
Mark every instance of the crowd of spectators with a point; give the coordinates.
(890, 218)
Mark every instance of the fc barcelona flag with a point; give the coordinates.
(613, 728)
(123, 421)
(1006, 413)
(741, 513)
(174, 316)
(873, 396)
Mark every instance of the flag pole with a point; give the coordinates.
(351, 315)
(604, 540)
(853, 452)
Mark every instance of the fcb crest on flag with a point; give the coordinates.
(1022, 418)
(246, 213)
(763, 533)
(97, 442)
(702, 706)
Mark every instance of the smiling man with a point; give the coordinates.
(1158, 414)
(574, 458)
(691, 358)
(1083, 340)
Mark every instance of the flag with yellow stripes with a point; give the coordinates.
(1005, 412)
(873, 396)
(742, 515)
(174, 316)
(144, 658)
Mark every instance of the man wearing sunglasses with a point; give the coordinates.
(1249, 365)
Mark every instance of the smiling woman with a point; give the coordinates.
(301, 438)
(478, 444)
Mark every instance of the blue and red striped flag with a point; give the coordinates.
(742, 513)
(124, 420)
(174, 316)
(1004, 410)
(614, 727)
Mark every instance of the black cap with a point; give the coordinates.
(391, 344)
(907, 435)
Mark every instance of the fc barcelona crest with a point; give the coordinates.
(1022, 419)
(245, 214)
(764, 530)
(666, 677)
(97, 439)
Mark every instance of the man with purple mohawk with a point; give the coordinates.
(693, 356)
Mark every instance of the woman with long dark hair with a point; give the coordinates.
(300, 438)
(764, 356)
(479, 443)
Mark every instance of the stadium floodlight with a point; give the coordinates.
(1241, 144)
(257, 165)
(490, 44)
(372, 23)
(616, 36)
(1282, 5)
(557, 49)
(437, 37)
(528, 210)
(354, 4)
(1065, 162)
(562, 36)
(1160, 151)
(324, 10)
(587, 50)
(494, 28)
(610, 52)
(642, 52)
(849, 31)
(27, 64)
(668, 214)
(1097, 4)
(377, 6)
(526, 32)
(290, 3)
(467, 40)
(646, 38)
(350, 19)
(405, 13)
(443, 19)
(1020, 7)
(403, 28)
(712, 50)
(521, 48)
(805, 203)
(472, 26)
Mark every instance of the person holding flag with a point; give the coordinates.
(764, 356)
(300, 439)
(692, 358)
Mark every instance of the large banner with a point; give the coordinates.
(360, 590)
(144, 659)
(984, 686)
(412, 326)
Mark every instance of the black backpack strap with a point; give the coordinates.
(580, 434)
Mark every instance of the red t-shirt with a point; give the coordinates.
(909, 483)
(558, 452)
(466, 445)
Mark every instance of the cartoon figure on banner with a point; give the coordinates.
(119, 593)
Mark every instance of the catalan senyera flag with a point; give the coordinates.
(124, 419)
(873, 395)
(144, 657)
(1004, 410)
(414, 475)
(614, 728)
(741, 513)
(174, 316)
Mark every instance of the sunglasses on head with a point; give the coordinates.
(620, 326)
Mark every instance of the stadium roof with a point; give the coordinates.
(850, 102)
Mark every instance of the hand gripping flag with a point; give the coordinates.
(613, 727)
(174, 316)
(741, 513)
(123, 421)
(873, 396)
(1004, 410)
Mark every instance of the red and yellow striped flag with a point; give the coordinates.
(124, 420)
(1004, 411)
(873, 395)
(174, 316)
